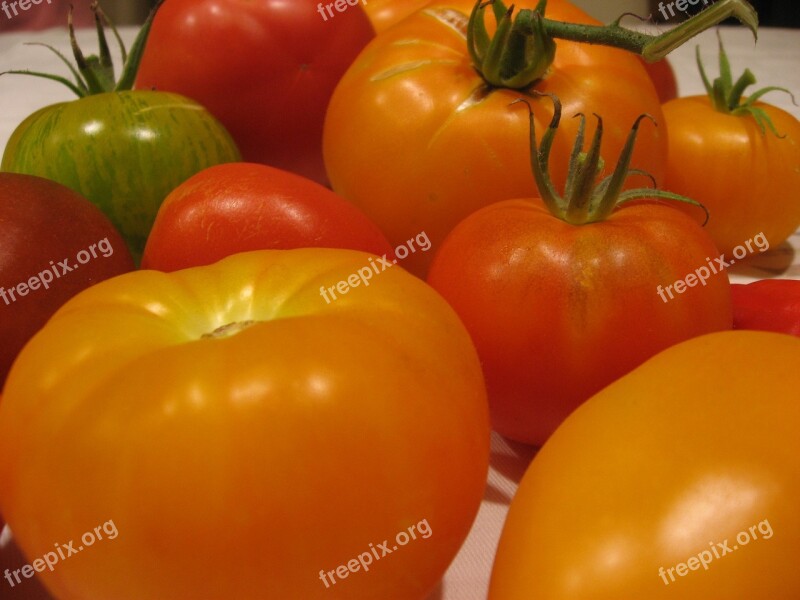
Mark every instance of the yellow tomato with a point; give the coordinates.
(247, 437)
(681, 480)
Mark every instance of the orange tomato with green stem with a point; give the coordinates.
(418, 133)
(564, 295)
(738, 156)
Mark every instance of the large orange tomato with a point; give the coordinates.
(247, 438)
(680, 481)
(417, 140)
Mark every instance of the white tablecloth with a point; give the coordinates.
(774, 60)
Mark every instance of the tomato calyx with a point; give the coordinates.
(228, 330)
(95, 74)
(727, 95)
(523, 48)
(586, 201)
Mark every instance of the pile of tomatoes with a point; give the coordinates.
(261, 377)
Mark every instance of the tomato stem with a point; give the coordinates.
(586, 201)
(95, 74)
(727, 96)
(522, 49)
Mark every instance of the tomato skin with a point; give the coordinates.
(238, 207)
(465, 158)
(557, 311)
(767, 305)
(385, 13)
(42, 223)
(272, 444)
(663, 76)
(688, 450)
(124, 151)
(749, 181)
(279, 45)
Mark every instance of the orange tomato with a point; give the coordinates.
(749, 180)
(679, 481)
(245, 436)
(414, 137)
(385, 13)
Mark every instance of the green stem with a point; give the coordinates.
(523, 49)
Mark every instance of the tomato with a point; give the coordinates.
(243, 434)
(53, 243)
(558, 312)
(123, 150)
(466, 148)
(748, 180)
(271, 73)
(767, 305)
(241, 206)
(385, 13)
(663, 77)
(726, 155)
(564, 295)
(680, 480)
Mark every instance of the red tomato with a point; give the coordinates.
(265, 69)
(238, 207)
(53, 244)
(559, 311)
(663, 77)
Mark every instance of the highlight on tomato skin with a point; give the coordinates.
(235, 406)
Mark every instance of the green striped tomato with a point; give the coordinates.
(124, 151)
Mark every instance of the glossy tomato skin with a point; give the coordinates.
(266, 69)
(676, 458)
(124, 151)
(41, 224)
(414, 139)
(385, 13)
(748, 180)
(558, 311)
(288, 445)
(239, 207)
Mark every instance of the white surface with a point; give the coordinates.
(774, 60)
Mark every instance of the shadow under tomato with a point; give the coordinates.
(11, 558)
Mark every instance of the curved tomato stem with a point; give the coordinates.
(523, 48)
(584, 200)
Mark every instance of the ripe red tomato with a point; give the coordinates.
(238, 207)
(265, 69)
(53, 244)
(663, 77)
(417, 140)
(559, 311)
